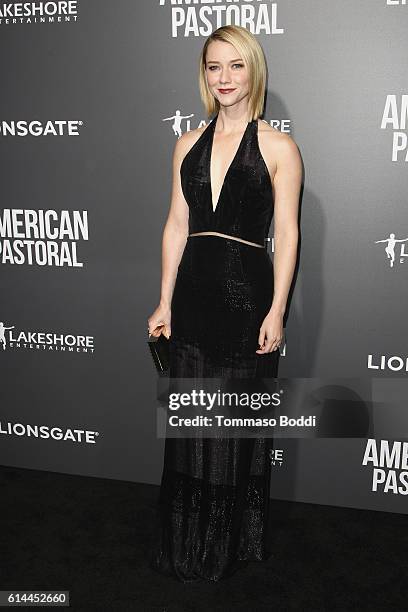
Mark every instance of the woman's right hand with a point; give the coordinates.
(159, 322)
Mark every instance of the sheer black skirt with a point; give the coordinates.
(212, 514)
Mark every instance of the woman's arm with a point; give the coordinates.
(173, 242)
(176, 228)
(286, 184)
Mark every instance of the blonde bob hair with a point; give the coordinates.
(252, 54)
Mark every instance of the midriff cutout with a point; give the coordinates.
(260, 246)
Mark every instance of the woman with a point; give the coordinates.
(222, 305)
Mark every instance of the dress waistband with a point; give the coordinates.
(255, 244)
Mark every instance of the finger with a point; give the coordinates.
(262, 350)
(261, 337)
(276, 345)
(268, 345)
(155, 322)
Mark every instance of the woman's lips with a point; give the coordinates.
(226, 91)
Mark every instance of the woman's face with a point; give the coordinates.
(227, 73)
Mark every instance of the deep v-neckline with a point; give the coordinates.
(214, 210)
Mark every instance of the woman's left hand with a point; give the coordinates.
(270, 333)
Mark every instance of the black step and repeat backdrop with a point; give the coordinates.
(93, 97)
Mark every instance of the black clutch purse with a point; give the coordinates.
(160, 350)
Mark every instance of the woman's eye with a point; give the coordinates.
(233, 65)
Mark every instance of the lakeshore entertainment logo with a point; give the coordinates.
(201, 17)
(395, 116)
(283, 125)
(391, 245)
(42, 237)
(63, 127)
(176, 119)
(64, 434)
(397, 2)
(10, 338)
(61, 11)
(389, 464)
(395, 363)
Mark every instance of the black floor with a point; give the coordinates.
(91, 536)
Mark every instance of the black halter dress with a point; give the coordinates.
(213, 504)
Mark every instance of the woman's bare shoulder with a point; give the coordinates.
(277, 148)
(274, 140)
(271, 134)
